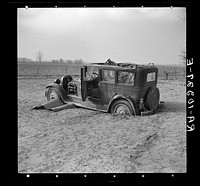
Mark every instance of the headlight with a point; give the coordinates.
(57, 81)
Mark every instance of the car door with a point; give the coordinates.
(107, 85)
(125, 83)
(83, 83)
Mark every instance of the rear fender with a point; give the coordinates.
(60, 90)
(126, 97)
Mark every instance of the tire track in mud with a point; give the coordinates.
(158, 133)
(141, 148)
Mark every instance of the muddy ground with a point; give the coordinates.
(84, 141)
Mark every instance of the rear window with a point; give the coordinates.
(125, 77)
(151, 76)
(108, 75)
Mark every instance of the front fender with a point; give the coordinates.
(52, 85)
(49, 86)
(129, 99)
(62, 92)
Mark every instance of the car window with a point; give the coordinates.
(151, 76)
(108, 75)
(126, 77)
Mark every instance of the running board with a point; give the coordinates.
(62, 107)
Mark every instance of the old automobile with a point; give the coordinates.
(117, 88)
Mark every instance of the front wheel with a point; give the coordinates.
(52, 94)
(121, 107)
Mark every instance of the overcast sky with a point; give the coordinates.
(139, 35)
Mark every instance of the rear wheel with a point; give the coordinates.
(121, 106)
(153, 98)
(52, 94)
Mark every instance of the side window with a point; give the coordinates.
(126, 77)
(90, 71)
(151, 76)
(108, 75)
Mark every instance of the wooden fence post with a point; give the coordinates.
(175, 72)
(38, 70)
(166, 74)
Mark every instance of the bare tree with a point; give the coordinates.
(39, 56)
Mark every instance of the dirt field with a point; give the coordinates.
(84, 141)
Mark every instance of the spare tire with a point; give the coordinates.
(153, 98)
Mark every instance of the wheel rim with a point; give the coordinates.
(53, 95)
(122, 109)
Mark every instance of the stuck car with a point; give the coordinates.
(117, 88)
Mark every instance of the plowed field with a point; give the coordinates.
(84, 141)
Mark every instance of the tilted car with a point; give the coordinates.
(117, 88)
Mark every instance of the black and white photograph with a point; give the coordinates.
(101, 90)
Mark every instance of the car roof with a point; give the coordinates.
(116, 68)
(109, 67)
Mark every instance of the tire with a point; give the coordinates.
(52, 94)
(153, 98)
(121, 106)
